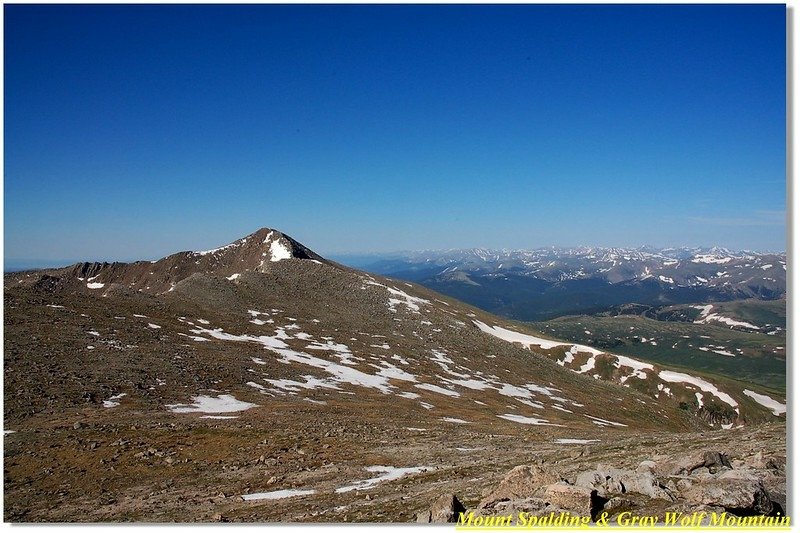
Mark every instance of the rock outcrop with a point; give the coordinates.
(446, 509)
(705, 482)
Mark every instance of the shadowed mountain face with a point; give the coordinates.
(549, 282)
(264, 359)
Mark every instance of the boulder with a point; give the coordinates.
(646, 466)
(525, 481)
(761, 462)
(532, 506)
(613, 481)
(750, 475)
(446, 509)
(618, 504)
(775, 485)
(682, 485)
(777, 463)
(738, 493)
(713, 460)
(702, 474)
(571, 498)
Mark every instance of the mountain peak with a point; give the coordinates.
(256, 252)
(268, 245)
(259, 251)
(265, 245)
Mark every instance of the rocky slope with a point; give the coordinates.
(211, 384)
(732, 482)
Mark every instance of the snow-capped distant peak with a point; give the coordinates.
(711, 259)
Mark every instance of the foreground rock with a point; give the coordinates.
(712, 460)
(707, 485)
(524, 481)
(741, 493)
(609, 481)
(446, 509)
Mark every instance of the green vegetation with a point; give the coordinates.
(760, 313)
(747, 356)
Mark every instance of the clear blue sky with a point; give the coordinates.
(137, 131)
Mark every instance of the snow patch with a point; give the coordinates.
(525, 420)
(310, 382)
(678, 377)
(388, 473)
(392, 372)
(604, 422)
(112, 401)
(436, 388)
(340, 372)
(277, 494)
(775, 406)
(221, 248)
(587, 366)
(224, 403)
(402, 298)
(707, 316)
(279, 251)
(710, 259)
(528, 340)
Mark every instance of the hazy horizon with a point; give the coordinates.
(352, 258)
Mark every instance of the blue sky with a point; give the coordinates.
(136, 131)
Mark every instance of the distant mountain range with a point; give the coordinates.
(549, 282)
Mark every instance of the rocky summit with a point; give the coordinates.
(261, 382)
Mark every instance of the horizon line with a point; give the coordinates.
(21, 264)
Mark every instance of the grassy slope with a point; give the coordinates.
(759, 359)
(757, 312)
